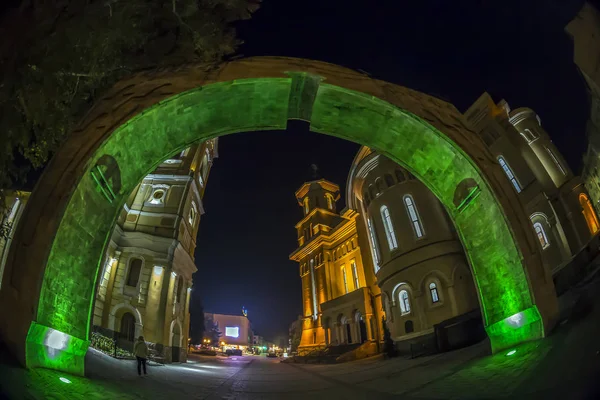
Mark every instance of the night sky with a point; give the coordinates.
(455, 50)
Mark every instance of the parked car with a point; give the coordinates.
(233, 352)
(271, 354)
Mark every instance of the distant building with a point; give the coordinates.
(236, 330)
(258, 341)
(145, 281)
(585, 31)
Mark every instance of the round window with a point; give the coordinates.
(159, 194)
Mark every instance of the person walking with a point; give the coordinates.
(140, 349)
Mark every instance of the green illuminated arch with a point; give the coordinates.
(425, 135)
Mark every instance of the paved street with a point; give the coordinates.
(562, 366)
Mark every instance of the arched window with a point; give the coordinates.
(344, 277)
(354, 274)
(528, 135)
(409, 326)
(400, 175)
(329, 201)
(413, 214)
(133, 275)
(404, 302)
(509, 174)
(541, 234)
(434, 292)
(379, 185)
(588, 213)
(389, 181)
(389, 228)
(306, 208)
(373, 244)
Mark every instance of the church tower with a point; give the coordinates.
(336, 302)
(318, 201)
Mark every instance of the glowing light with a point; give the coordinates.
(510, 353)
(157, 270)
(64, 380)
(232, 331)
(55, 342)
(515, 320)
(174, 274)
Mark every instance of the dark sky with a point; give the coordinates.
(455, 50)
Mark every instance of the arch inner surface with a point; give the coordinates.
(58, 338)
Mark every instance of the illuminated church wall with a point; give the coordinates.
(416, 246)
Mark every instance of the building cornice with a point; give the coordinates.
(320, 240)
(325, 184)
(313, 212)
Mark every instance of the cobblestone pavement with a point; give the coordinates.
(565, 365)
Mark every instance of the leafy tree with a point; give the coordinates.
(296, 333)
(197, 329)
(57, 57)
(388, 343)
(211, 331)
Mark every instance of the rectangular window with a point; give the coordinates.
(232, 331)
(354, 274)
(314, 287)
(345, 279)
(558, 164)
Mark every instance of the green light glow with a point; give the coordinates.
(510, 353)
(49, 348)
(140, 144)
(65, 380)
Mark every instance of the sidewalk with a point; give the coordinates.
(564, 365)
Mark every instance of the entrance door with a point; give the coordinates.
(175, 343)
(348, 333)
(363, 330)
(175, 354)
(127, 330)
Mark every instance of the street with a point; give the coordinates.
(564, 365)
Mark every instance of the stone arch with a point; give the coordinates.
(425, 135)
(116, 313)
(396, 290)
(175, 323)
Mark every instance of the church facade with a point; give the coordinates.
(394, 255)
(144, 285)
